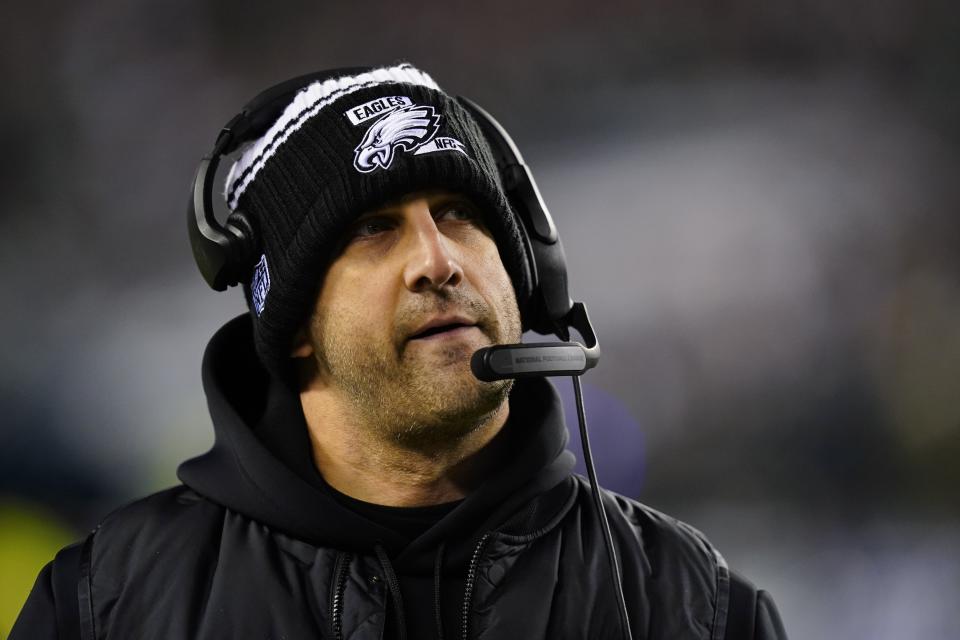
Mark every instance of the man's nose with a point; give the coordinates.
(431, 262)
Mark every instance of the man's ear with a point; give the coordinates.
(302, 347)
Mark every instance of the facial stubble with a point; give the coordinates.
(422, 398)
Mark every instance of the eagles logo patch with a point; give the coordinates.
(411, 129)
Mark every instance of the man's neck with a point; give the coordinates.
(363, 461)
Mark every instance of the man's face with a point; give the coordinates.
(417, 288)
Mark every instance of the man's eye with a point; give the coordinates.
(458, 212)
(370, 227)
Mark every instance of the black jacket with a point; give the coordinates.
(253, 545)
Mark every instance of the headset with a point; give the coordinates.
(226, 255)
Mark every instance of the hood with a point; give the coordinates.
(261, 464)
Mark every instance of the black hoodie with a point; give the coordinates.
(256, 545)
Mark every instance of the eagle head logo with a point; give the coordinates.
(406, 128)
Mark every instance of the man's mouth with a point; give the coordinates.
(443, 327)
(444, 330)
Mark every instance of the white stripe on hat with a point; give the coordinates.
(306, 104)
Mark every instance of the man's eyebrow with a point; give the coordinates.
(385, 210)
(371, 214)
(387, 207)
(434, 199)
(452, 198)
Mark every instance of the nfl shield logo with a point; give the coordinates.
(260, 285)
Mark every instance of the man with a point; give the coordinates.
(364, 482)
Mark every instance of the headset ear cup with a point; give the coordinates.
(529, 307)
(224, 253)
(550, 303)
(547, 303)
(244, 245)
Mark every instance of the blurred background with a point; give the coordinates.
(759, 203)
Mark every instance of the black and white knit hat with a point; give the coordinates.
(343, 146)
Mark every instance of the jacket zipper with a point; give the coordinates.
(394, 587)
(339, 583)
(471, 579)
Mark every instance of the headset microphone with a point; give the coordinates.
(541, 358)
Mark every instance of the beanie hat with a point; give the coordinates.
(344, 146)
